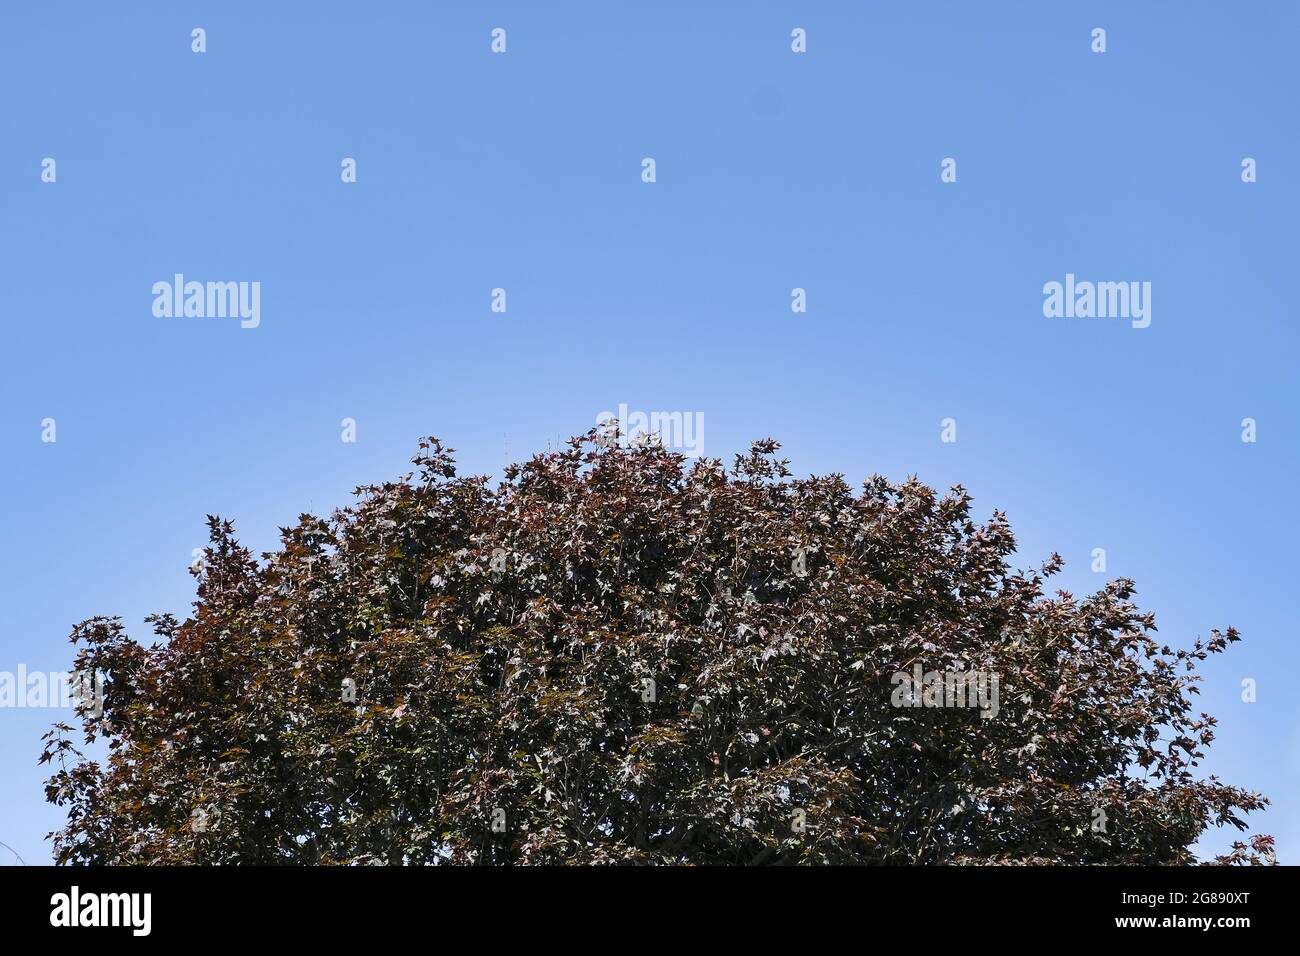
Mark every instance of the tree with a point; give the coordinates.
(611, 657)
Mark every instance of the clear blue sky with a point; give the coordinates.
(774, 169)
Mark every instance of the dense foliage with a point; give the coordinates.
(611, 657)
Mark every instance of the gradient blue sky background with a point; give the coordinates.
(775, 170)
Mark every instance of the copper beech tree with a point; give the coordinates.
(611, 657)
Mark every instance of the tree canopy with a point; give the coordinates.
(611, 656)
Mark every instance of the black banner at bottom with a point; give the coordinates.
(341, 905)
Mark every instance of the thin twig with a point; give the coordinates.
(14, 852)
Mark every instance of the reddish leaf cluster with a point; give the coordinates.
(609, 657)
